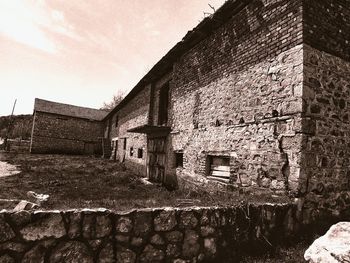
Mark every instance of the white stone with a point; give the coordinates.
(333, 247)
(24, 205)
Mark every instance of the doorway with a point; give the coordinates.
(156, 159)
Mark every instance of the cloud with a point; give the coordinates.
(17, 21)
(32, 22)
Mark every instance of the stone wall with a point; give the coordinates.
(18, 145)
(133, 114)
(238, 94)
(252, 116)
(326, 153)
(157, 235)
(325, 177)
(327, 26)
(54, 133)
(262, 30)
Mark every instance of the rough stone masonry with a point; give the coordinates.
(151, 235)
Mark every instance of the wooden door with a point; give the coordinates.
(156, 159)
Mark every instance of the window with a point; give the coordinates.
(163, 105)
(116, 120)
(131, 151)
(140, 153)
(124, 145)
(179, 156)
(219, 168)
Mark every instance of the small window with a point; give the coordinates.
(179, 159)
(163, 105)
(131, 151)
(116, 120)
(219, 168)
(124, 146)
(140, 153)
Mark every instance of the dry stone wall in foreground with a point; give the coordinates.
(217, 234)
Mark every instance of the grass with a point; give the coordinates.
(79, 181)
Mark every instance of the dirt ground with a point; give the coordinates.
(87, 182)
(7, 169)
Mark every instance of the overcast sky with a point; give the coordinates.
(82, 52)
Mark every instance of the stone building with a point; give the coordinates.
(63, 128)
(257, 95)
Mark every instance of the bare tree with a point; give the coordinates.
(116, 99)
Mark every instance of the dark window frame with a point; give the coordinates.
(140, 153)
(124, 145)
(116, 120)
(163, 110)
(131, 151)
(179, 159)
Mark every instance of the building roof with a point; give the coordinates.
(69, 110)
(193, 37)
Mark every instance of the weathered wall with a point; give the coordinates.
(326, 152)
(327, 26)
(62, 134)
(18, 145)
(133, 114)
(157, 235)
(325, 175)
(228, 90)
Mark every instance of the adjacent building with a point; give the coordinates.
(63, 128)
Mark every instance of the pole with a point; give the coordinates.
(10, 124)
(14, 106)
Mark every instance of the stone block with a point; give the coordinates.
(173, 251)
(125, 255)
(190, 247)
(188, 220)
(106, 254)
(36, 254)
(210, 246)
(74, 229)
(165, 221)
(6, 232)
(207, 231)
(157, 240)
(70, 251)
(174, 236)
(142, 223)
(103, 226)
(151, 255)
(51, 225)
(124, 225)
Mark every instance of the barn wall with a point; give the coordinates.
(63, 134)
(326, 153)
(133, 114)
(325, 177)
(238, 94)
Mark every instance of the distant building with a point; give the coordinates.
(63, 128)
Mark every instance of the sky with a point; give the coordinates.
(81, 52)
